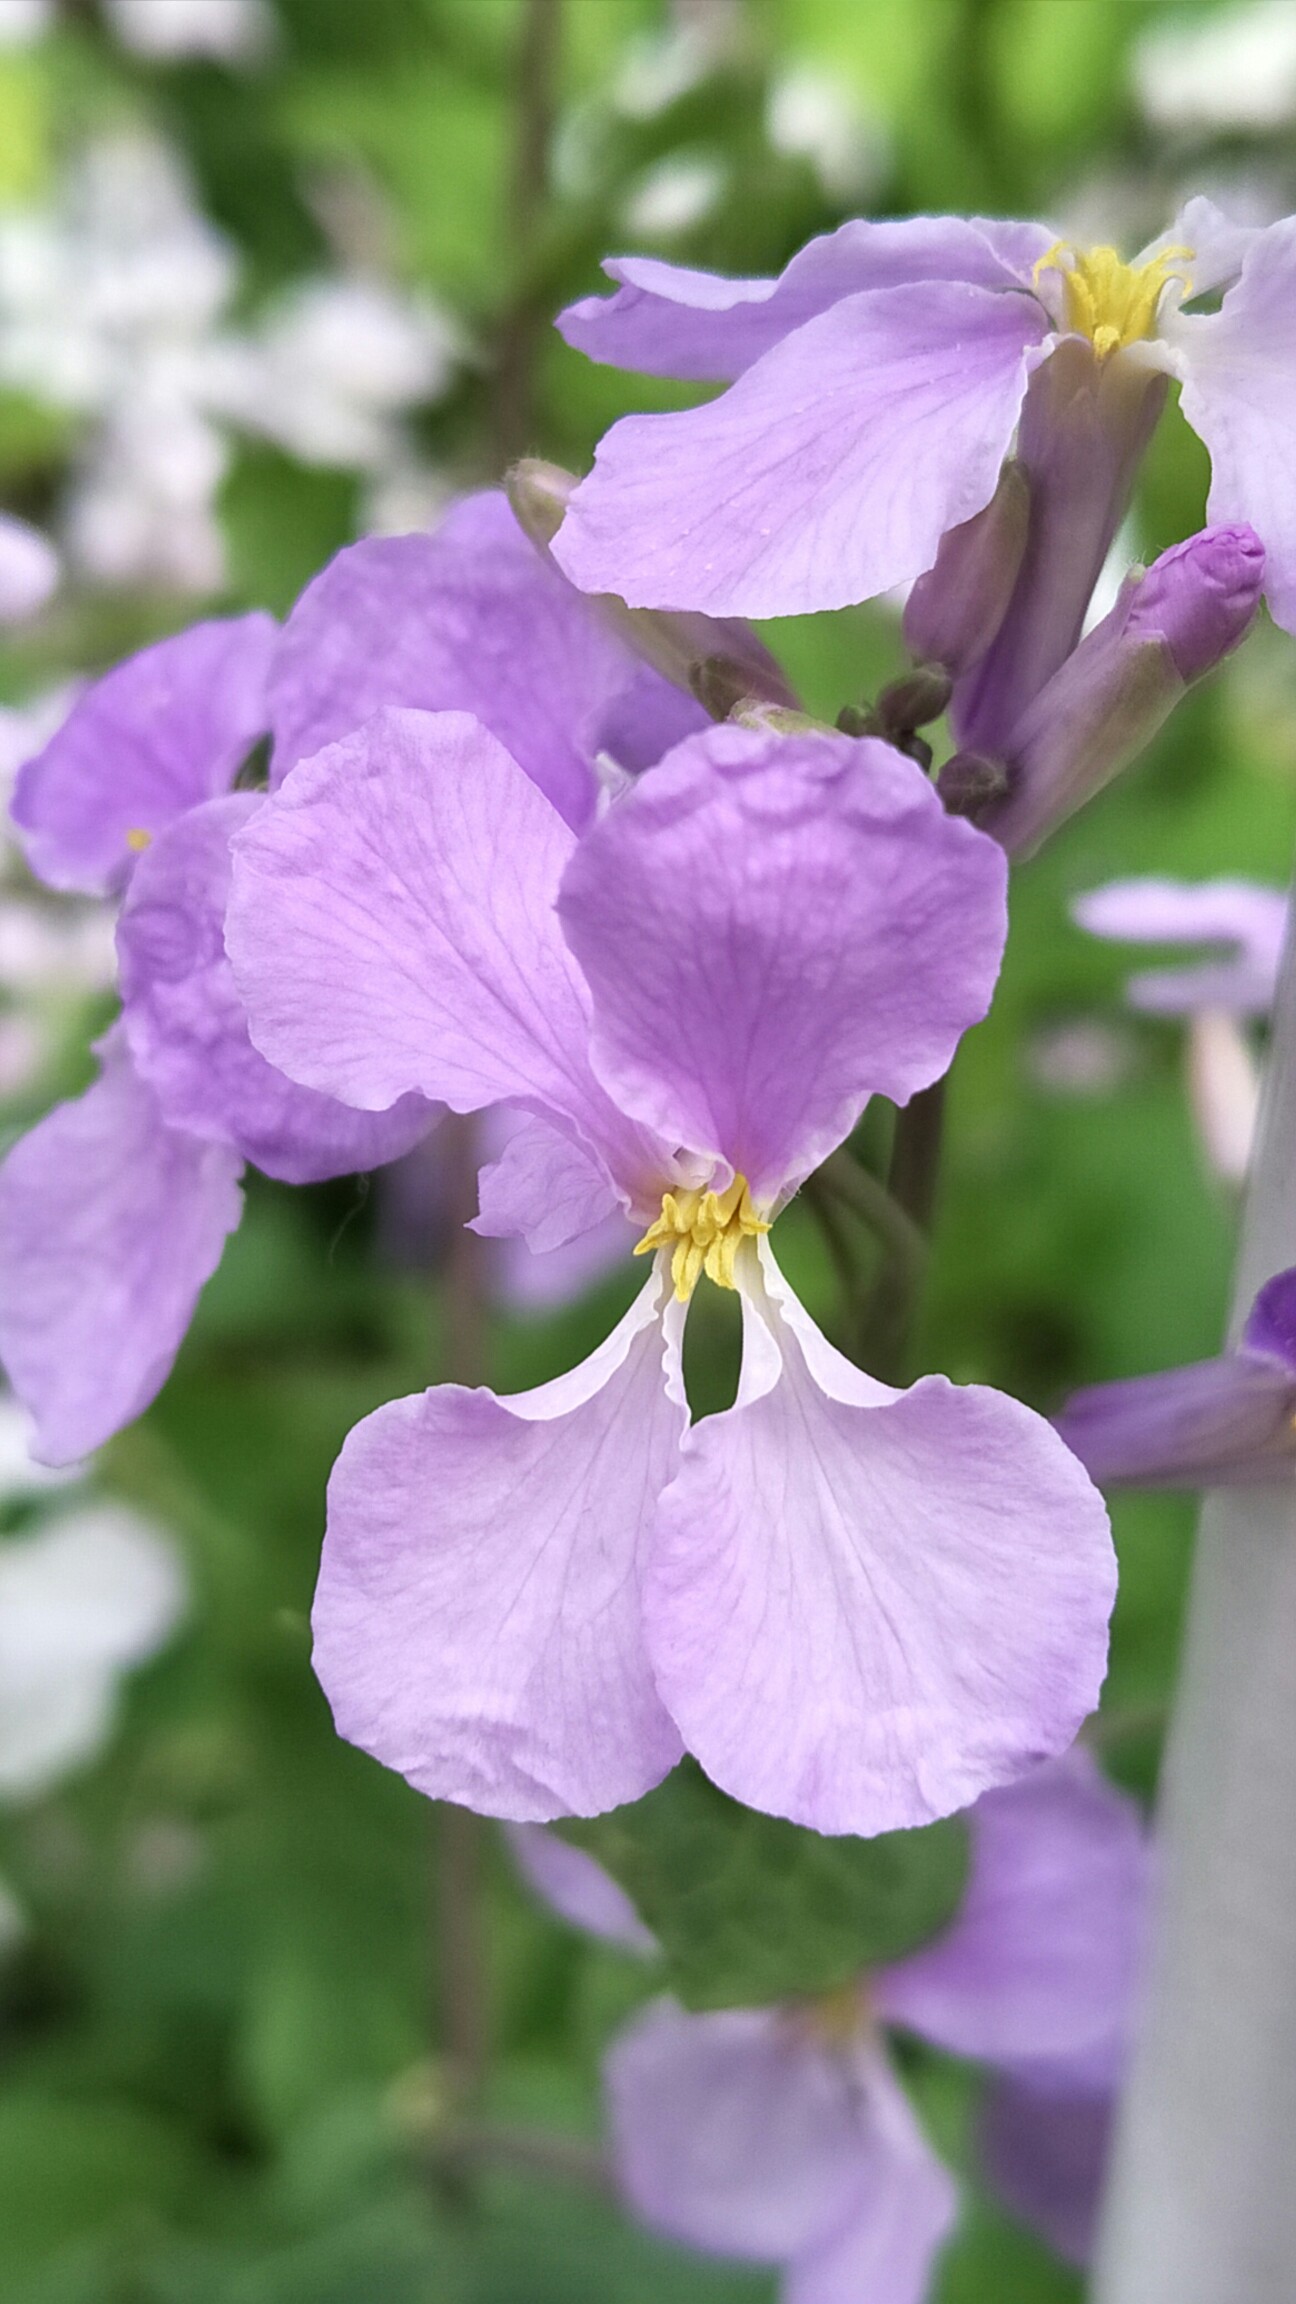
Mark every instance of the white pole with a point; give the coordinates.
(1202, 2201)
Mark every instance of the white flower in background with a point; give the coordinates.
(232, 31)
(810, 115)
(674, 194)
(332, 367)
(24, 20)
(113, 307)
(1209, 74)
(29, 570)
(91, 1591)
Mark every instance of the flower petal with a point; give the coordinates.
(1248, 919)
(29, 569)
(738, 2131)
(575, 1886)
(864, 1608)
(773, 929)
(110, 1222)
(470, 619)
(1237, 367)
(886, 2251)
(157, 734)
(544, 1187)
(392, 929)
(827, 473)
(1044, 2147)
(187, 1027)
(1215, 1423)
(1042, 1957)
(665, 320)
(477, 1623)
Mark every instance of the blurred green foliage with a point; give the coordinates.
(223, 2060)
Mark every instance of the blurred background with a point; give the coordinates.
(275, 274)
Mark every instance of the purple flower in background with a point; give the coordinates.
(783, 2134)
(1229, 1422)
(857, 1607)
(1245, 924)
(1241, 922)
(115, 1208)
(874, 390)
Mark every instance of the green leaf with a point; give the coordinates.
(749, 1908)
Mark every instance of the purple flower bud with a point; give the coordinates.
(1229, 1422)
(955, 610)
(1200, 597)
(1170, 625)
(709, 657)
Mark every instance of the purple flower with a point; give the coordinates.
(1244, 920)
(1229, 1422)
(857, 1607)
(114, 1210)
(783, 2134)
(874, 390)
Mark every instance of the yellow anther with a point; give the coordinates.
(138, 839)
(1112, 303)
(704, 1231)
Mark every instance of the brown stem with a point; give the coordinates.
(526, 317)
(533, 2149)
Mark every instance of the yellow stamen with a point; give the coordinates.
(705, 1230)
(138, 839)
(1112, 303)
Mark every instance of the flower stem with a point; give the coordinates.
(1201, 2207)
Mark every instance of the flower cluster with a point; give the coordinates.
(545, 834)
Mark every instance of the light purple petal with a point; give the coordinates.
(1215, 1423)
(166, 729)
(110, 1222)
(29, 569)
(864, 1608)
(576, 1887)
(738, 2131)
(543, 1186)
(470, 619)
(478, 1623)
(886, 2251)
(1219, 246)
(827, 473)
(667, 321)
(528, 1282)
(188, 1031)
(392, 930)
(1237, 369)
(773, 929)
(1044, 2147)
(1248, 920)
(1042, 1957)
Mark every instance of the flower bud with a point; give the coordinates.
(1200, 597)
(679, 644)
(955, 610)
(1218, 1423)
(1172, 623)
